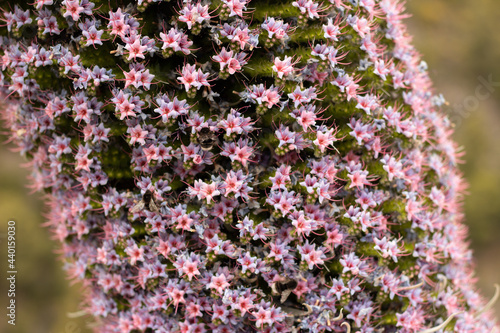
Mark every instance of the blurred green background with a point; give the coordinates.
(460, 41)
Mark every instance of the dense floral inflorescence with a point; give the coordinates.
(242, 166)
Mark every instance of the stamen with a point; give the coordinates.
(377, 279)
(443, 325)
(411, 287)
(491, 302)
(346, 324)
(76, 314)
(309, 309)
(339, 317)
(443, 281)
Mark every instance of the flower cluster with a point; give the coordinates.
(242, 166)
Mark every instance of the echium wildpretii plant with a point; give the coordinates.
(242, 166)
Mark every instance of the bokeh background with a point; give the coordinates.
(460, 41)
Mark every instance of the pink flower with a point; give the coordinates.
(331, 29)
(412, 319)
(387, 248)
(208, 191)
(239, 151)
(40, 3)
(232, 184)
(299, 96)
(236, 7)
(262, 316)
(192, 14)
(351, 263)
(190, 268)
(82, 158)
(362, 132)
(223, 58)
(138, 77)
(393, 167)
(137, 135)
(338, 288)
(283, 67)
(93, 36)
(135, 49)
(21, 17)
(243, 304)
(367, 103)
(125, 105)
(381, 69)
(176, 40)
(248, 263)
(49, 25)
(218, 282)
(72, 8)
(312, 256)
(60, 146)
(324, 138)
(191, 77)
(170, 109)
(100, 133)
(275, 27)
(117, 23)
(360, 25)
(302, 225)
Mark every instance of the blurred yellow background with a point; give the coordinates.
(460, 41)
